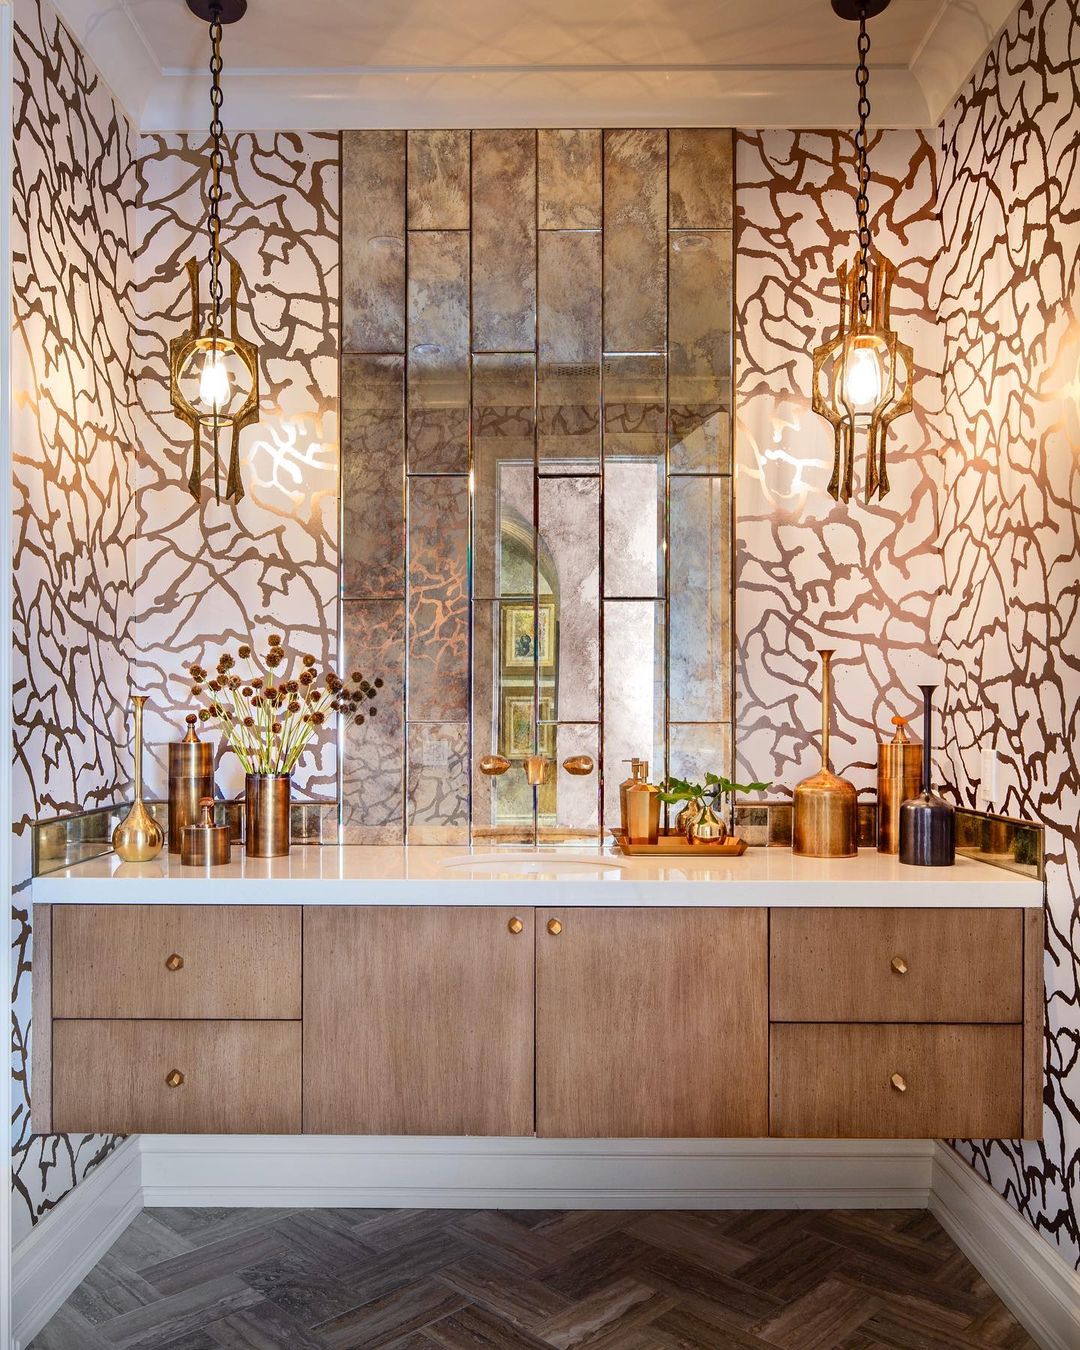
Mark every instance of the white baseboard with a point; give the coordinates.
(1041, 1289)
(326, 1170)
(1039, 1286)
(67, 1243)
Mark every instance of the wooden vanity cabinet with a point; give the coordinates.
(567, 1023)
(652, 1023)
(418, 1020)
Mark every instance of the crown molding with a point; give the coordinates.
(954, 47)
(171, 100)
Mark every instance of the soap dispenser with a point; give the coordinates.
(642, 807)
(635, 777)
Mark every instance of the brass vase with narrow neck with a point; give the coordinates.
(138, 837)
(825, 818)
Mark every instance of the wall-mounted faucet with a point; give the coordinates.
(536, 766)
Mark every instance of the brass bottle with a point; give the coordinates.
(138, 837)
(825, 819)
(191, 778)
(642, 808)
(899, 774)
(636, 776)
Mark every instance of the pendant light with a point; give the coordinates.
(214, 375)
(863, 376)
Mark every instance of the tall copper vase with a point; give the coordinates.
(138, 837)
(266, 815)
(824, 823)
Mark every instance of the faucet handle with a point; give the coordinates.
(579, 765)
(493, 765)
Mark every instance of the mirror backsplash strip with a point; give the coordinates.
(536, 473)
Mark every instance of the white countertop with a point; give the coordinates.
(363, 875)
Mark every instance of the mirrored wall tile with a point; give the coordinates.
(635, 225)
(569, 342)
(700, 178)
(504, 446)
(438, 356)
(699, 373)
(373, 241)
(504, 240)
(633, 713)
(634, 514)
(569, 804)
(437, 798)
(568, 179)
(698, 748)
(438, 600)
(503, 688)
(438, 180)
(700, 570)
(372, 754)
(635, 406)
(568, 567)
(372, 476)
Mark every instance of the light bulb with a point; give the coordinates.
(214, 382)
(862, 378)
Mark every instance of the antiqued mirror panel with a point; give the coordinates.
(536, 405)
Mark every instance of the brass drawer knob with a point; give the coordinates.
(174, 1078)
(899, 965)
(515, 925)
(554, 927)
(174, 962)
(898, 1083)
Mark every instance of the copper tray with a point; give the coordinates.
(672, 844)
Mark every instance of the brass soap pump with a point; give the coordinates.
(824, 823)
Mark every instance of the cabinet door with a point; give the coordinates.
(652, 1023)
(418, 1020)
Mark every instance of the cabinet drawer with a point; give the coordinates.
(896, 965)
(176, 961)
(238, 1077)
(836, 1081)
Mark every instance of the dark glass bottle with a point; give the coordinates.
(927, 822)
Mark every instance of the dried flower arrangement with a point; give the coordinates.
(268, 719)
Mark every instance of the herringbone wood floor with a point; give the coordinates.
(342, 1279)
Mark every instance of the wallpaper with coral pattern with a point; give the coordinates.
(212, 575)
(811, 572)
(1007, 290)
(73, 443)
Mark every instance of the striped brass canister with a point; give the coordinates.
(191, 777)
(899, 772)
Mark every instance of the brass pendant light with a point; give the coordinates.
(214, 375)
(863, 376)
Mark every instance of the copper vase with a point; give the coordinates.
(899, 772)
(825, 818)
(138, 837)
(266, 815)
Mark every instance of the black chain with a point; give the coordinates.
(862, 202)
(217, 160)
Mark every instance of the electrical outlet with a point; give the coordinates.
(988, 776)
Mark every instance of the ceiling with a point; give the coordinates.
(323, 64)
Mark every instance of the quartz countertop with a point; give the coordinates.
(562, 875)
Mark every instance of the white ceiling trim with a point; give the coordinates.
(158, 100)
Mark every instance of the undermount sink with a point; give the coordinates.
(534, 864)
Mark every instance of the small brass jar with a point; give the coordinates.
(205, 844)
(191, 778)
